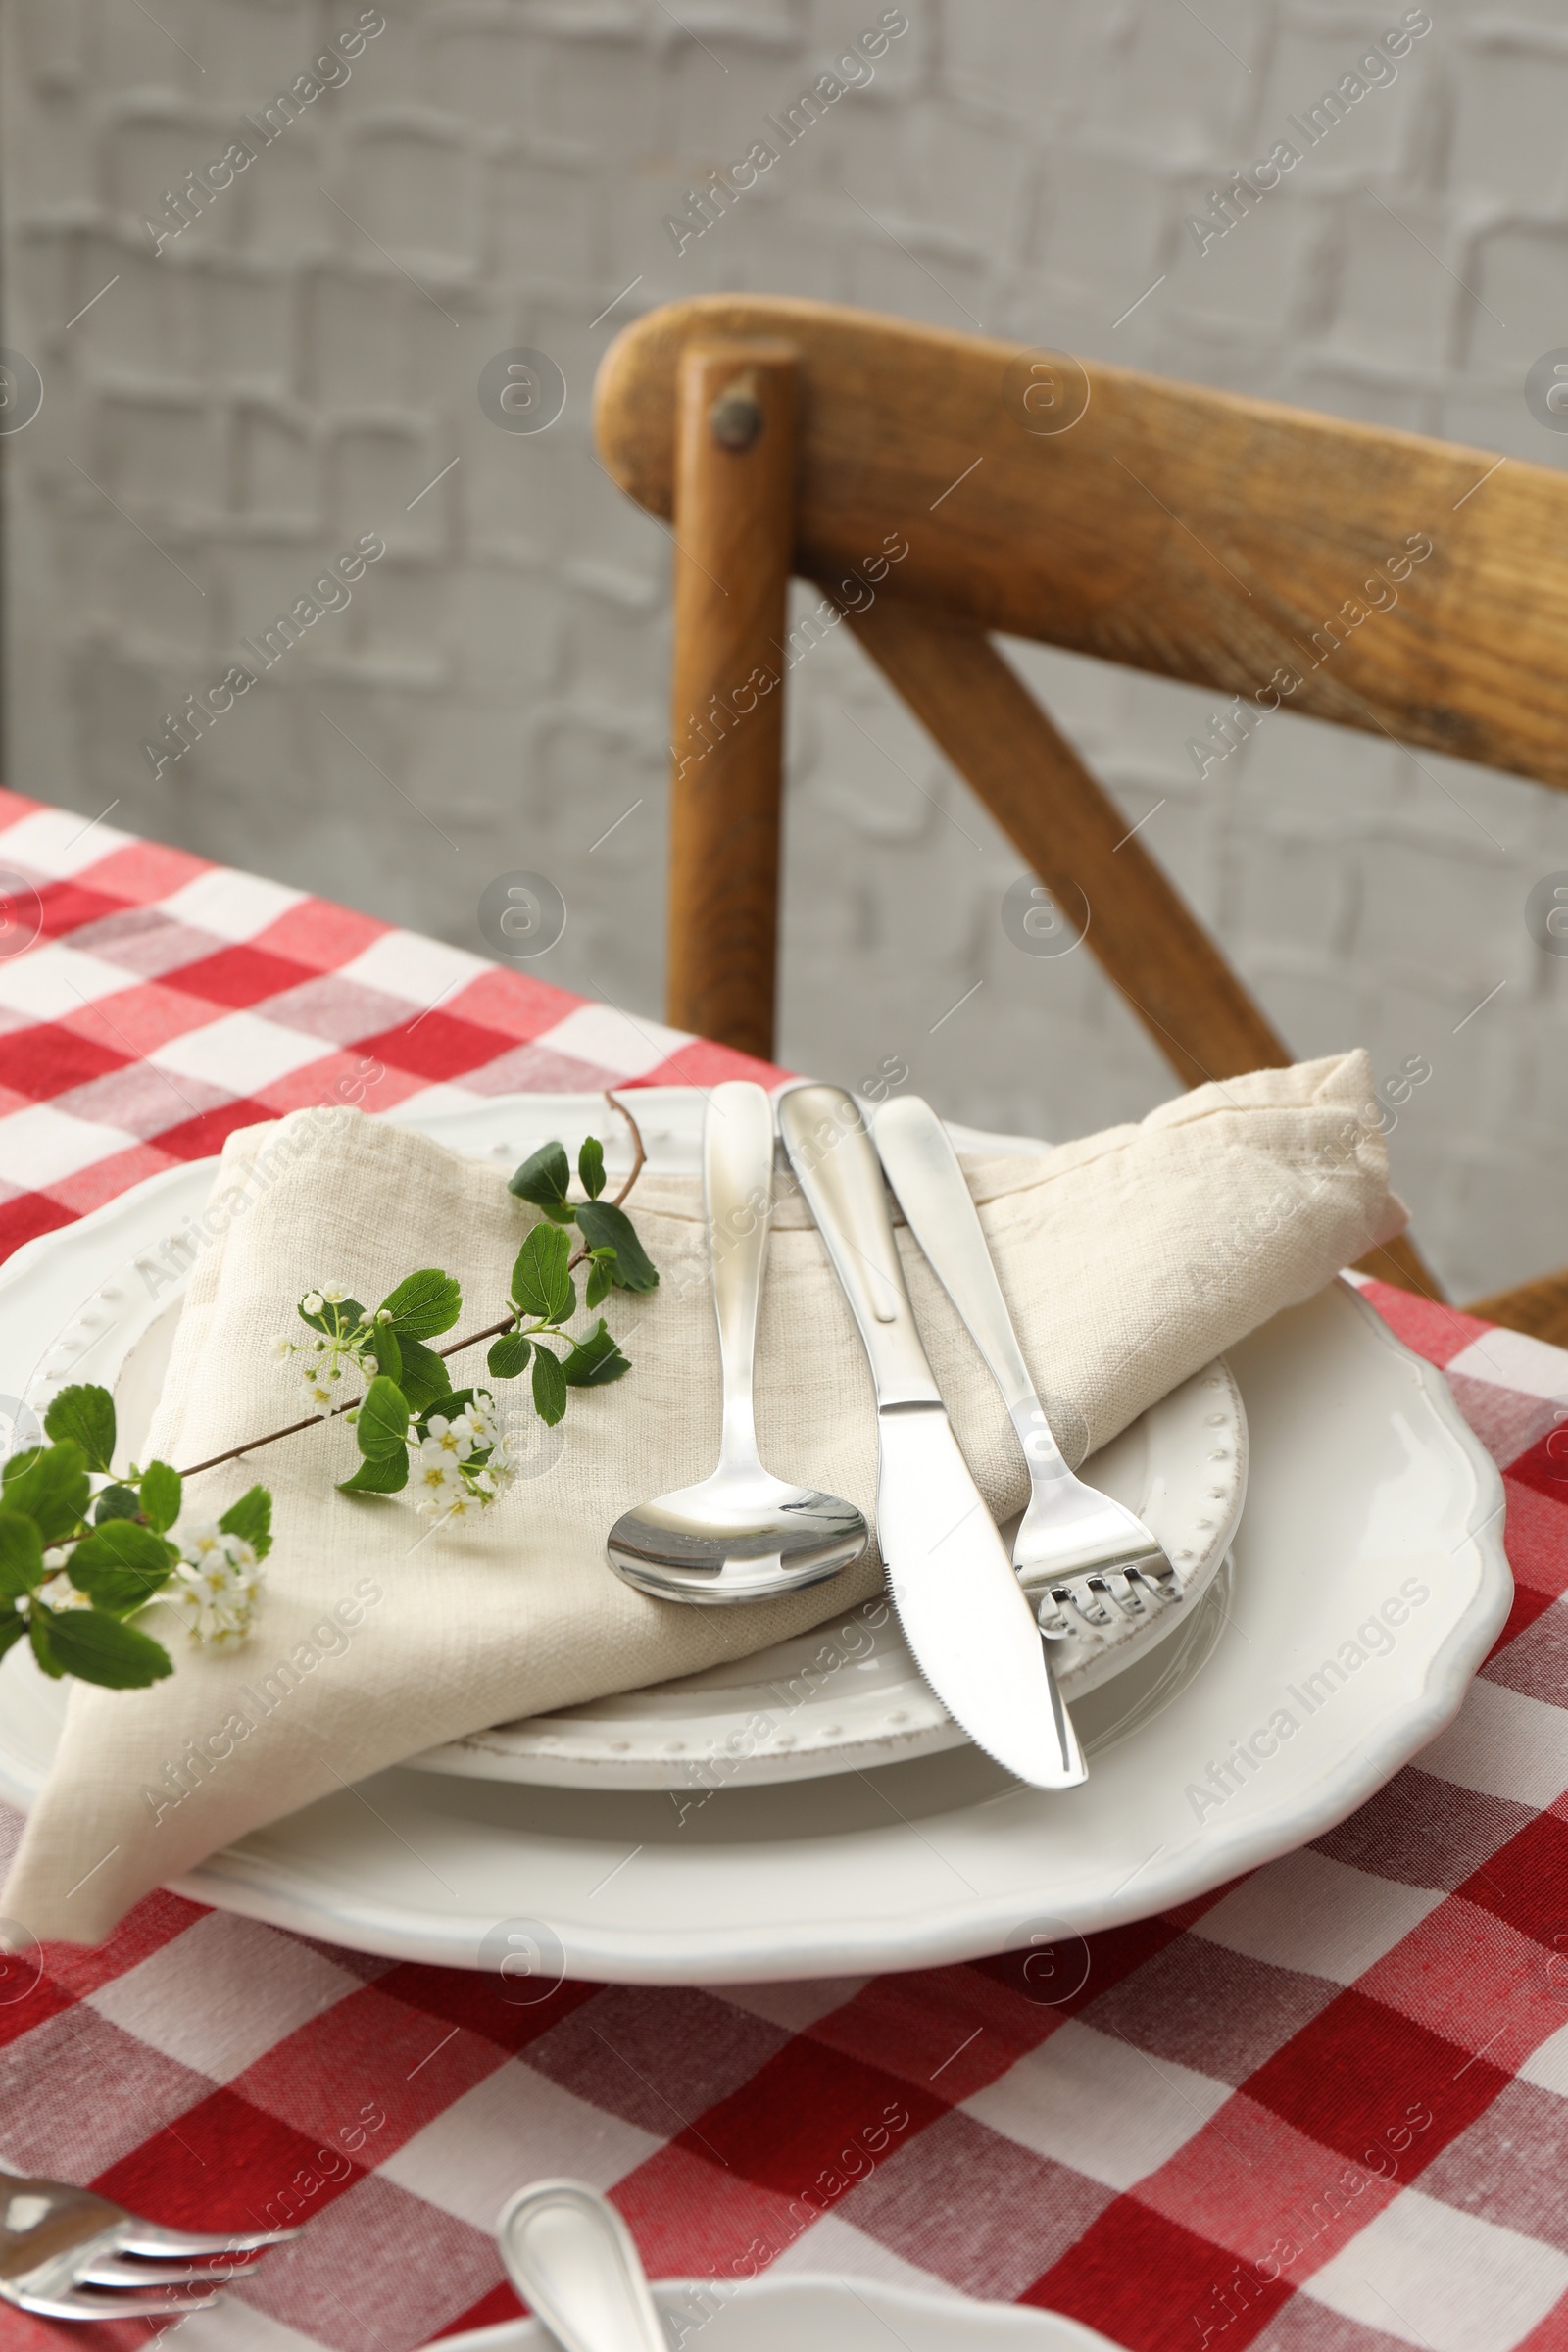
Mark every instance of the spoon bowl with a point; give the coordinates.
(740, 1534)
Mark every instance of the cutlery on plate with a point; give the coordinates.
(572, 2260)
(67, 2254)
(740, 1534)
(962, 1609)
(1074, 1546)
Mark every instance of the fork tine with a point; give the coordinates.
(133, 2270)
(111, 2303)
(137, 2237)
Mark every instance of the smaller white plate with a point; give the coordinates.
(111, 1287)
(848, 1697)
(771, 2313)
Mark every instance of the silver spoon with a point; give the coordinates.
(572, 2260)
(740, 1534)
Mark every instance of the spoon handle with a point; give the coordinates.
(738, 1188)
(572, 2260)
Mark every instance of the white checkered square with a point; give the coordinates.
(222, 1993)
(52, 981)
(1511, 1359)
(234, 906)
(1503, 1744)
(623, 1045)
(1320, 1917)
(1097, 2105)
(240, 1052)
(425, 972)
(41, 1144)
(1442, 2278)
(59, 843)
(514, 2126)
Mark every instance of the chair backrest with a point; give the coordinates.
(940, 486)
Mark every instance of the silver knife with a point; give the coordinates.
(961, 1607)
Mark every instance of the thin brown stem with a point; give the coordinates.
(491, 1331)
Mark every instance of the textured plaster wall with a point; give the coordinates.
(298, 368)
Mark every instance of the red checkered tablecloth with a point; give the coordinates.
(1324, 2107)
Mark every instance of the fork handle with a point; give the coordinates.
(923, 1170)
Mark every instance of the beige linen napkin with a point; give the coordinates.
(1129, 1259)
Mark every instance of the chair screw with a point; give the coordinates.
(736, 416)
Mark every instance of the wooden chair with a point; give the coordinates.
(939, 486)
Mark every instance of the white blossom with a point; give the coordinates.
(450, 1438)
(312, 1302)
(334, 1292)
(56, 1593)
(282, 1349)
(215, 1585)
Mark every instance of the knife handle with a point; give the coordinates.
(923, 1170)
(837, 1168)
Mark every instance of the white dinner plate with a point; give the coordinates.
(1369, 1584)
(771, 2313)
(104, 1298)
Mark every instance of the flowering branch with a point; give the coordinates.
(591, 1160)
(86, 1553)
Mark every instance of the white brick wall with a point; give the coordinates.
(293, 369)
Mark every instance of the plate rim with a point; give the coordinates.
(981, 2312)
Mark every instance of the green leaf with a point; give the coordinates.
(601, 1276)
(119, 1591)
(508, 1355)
(86, 1414)
(388, 1475)
(251, 1519)
(52, 1489)
(544, 1178)
(591, 1166)
(540, 1283)
(595, 1362)
(445, 1407)
(549, 1387)
(12, 1627)
(388, 1352)
(160, 1494)
(423, 1377)
(15, 1463)
(96, 1648)
(39, 1636)
(604, 1225)
(383, 1425)
(120, 1565)
(21, 1555)
(423, 1303)
(117, 1503)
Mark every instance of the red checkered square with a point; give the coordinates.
(39, 1063)
(1324, 2082)
(656, 2056)
(1154, 2286)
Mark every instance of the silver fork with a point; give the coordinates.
(67, 2254)
(1075, 1547)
